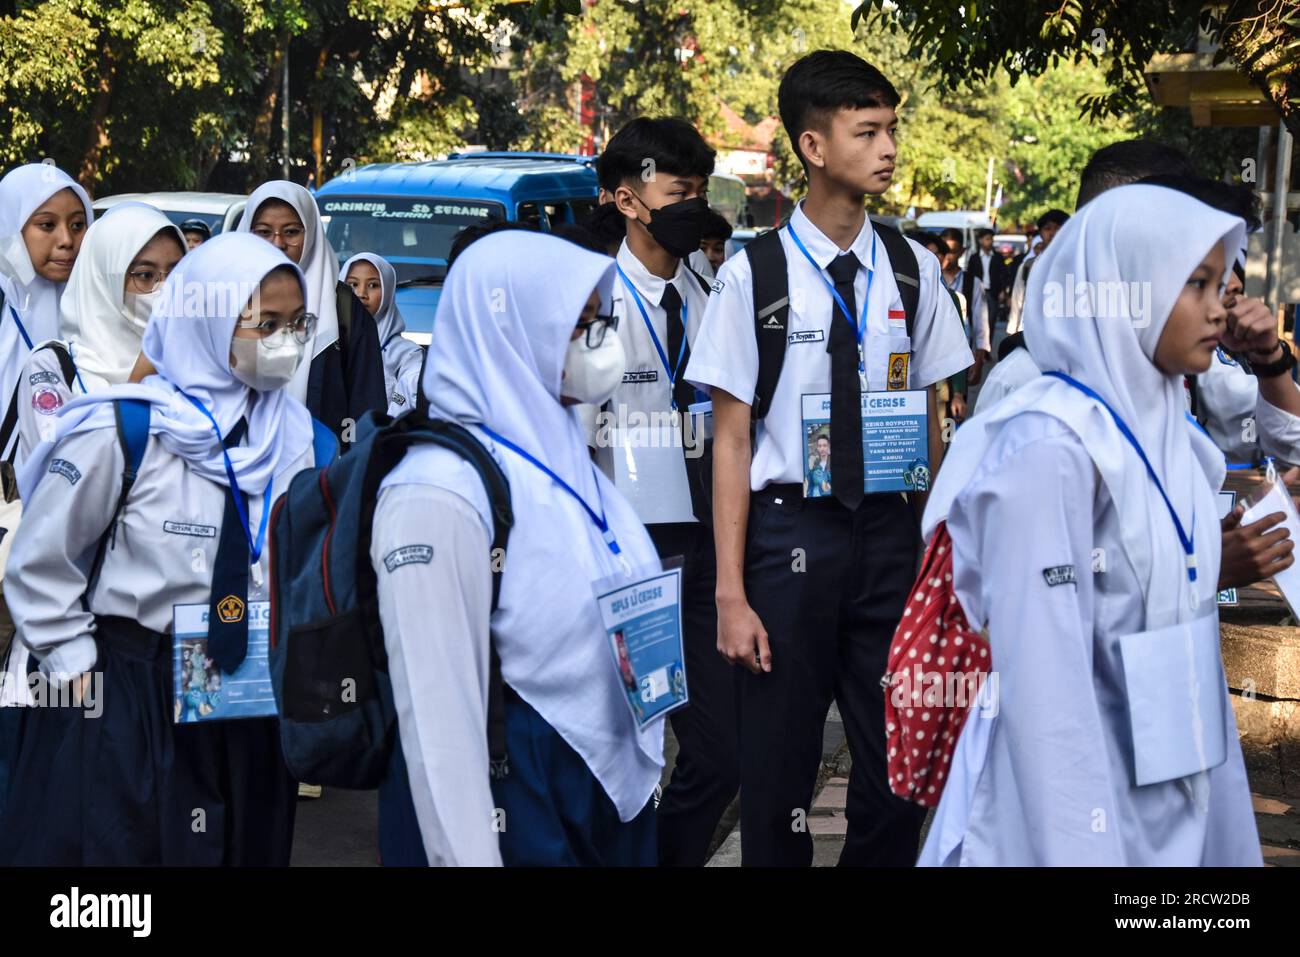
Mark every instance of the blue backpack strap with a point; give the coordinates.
(324, 443)
(133, 434)
(132, 417)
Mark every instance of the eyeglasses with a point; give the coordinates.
(291, 235)
(147, 280)
(276, 332)
(595, 330)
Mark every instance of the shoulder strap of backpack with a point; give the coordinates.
(325, 444)
(66, 365)
(907, 274)
(771, 288)
(705, 285)
(133, 436)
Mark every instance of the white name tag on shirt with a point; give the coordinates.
(1176, 700)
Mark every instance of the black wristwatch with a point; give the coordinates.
(1270, 370)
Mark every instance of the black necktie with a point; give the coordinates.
(683, 392)
(228, 603)
(846, 387)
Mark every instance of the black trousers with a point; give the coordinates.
(829, 586)
(707, 773)
(126, 786)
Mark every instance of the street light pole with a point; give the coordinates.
(284, 118)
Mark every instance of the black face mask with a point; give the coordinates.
(678, 227)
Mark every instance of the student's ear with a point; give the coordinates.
(811, 144)
(625, 201)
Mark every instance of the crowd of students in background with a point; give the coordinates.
(151, 428)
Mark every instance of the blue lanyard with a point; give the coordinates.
(1188, 541)
(599, 520)
(671, 372)
(241, 501)
(860, 328)
(26, 338)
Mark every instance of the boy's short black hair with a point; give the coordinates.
(676, 147)
(1127, 162)
(471, 234)
(607, 224)
(1057, 217)
(953, 233)
(982, 232)
(1234, 200)
(822, 82)
(716, 226)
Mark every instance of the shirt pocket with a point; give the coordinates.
(889, 362)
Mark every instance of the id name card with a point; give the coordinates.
(200, 691)
(643, 628)
(895, 442)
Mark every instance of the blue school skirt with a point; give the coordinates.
(130, 787)
(556, 812)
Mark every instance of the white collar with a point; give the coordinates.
(823, 250)
(650, 286)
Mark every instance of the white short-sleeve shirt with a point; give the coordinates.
(724, 353)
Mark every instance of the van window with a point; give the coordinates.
(531, 213)
(400, 227)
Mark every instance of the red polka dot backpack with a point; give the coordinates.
(936, 666)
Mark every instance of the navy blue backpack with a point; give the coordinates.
(329, 668)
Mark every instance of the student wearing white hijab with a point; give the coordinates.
(118, 277)
(510, 367)
(344, 376)
(105, 307)
(121, 786)
(1113, 741)
(44, 214)
(374, 281)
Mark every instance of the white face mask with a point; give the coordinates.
(265, 368)
(139, 307)
(592, 375)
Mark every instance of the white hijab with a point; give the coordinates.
(188, 342)
(93, 316)
(319, 265)
(1074, 325)
(496, 358)
(22, 191)
(388, 318)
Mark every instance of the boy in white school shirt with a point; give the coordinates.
(810, 590)
(656, 174)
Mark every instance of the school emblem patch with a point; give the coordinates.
(897, 380)
(46, 401)
(231, 609)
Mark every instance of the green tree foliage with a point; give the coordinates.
(970, 41)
